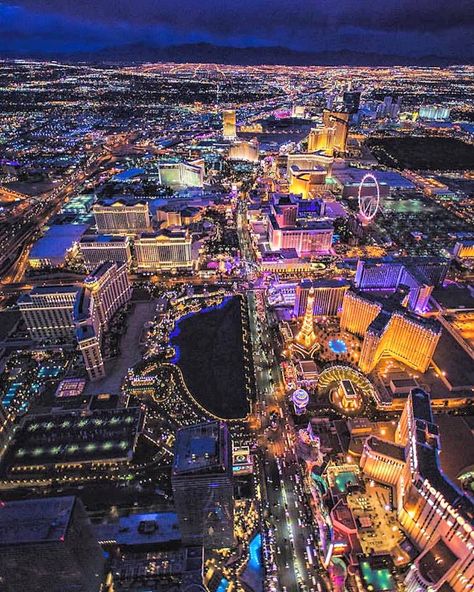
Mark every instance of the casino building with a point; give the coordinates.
(436, 516)
(389, 331)
(164, 250)
(122, 216)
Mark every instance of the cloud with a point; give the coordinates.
(416, 28)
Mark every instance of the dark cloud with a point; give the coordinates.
(412, 26)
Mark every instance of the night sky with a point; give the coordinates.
(403, 27)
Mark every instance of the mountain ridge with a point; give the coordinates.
(210, 53)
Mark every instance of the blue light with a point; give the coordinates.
(338, 346)
(223, 585)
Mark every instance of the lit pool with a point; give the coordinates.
(255, 554)
(377, 579)
(11, 394)
(338, 346)
(344, 479)
(223, 585)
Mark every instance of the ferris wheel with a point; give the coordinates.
(369, 198)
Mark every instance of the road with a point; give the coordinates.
(18, 235)
(289, 529)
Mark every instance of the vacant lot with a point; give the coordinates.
(443, 154)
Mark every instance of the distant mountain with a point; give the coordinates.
(209, 53)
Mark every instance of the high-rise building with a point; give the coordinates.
(103, 293)
(244, 150)
(389, 332)
(111, 289)
(321, 139)
(89, 333)
(307, 183)
(418, 274)
(307, 237)
(436, 516)
(229, 129)
(202, 485)
(66, 314)
(122, 216)
(306, 161)
(340, 123)
(408, 339)
(351, 101)
(48, 544)
(181, 174)
(96, 249)
(434, 112)
(328, 296)
(47, 312)
(165, 250)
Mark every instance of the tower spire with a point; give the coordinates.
(306, 335)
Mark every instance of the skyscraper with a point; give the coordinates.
(47, 312)
(435, 514)
(104, 291)
(229, 130)
(165, 250)
(351, 101)
(328, 296)
(96, 249)
(48, 545)
(202, 485)
(388, 330)
(340, 122)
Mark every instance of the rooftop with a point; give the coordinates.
(72, 437)
(454, 362)
(103, 238)
(203, 448)
(455, 297)
(142, 529)
(57, 241)
(35, 521)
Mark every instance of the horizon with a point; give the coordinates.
(398, 28)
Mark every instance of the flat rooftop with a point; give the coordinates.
(457, 445)
(57, 241)
(73, 437)
(353, 175)
(103, 238)
(454, 361)
(42, 520)
(142, 529)
(455, 297)
(201, 449)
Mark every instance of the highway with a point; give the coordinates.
(19, 234)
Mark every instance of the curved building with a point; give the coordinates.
(436, 516)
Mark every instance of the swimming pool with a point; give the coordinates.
(223, 585)
(344, 479)
(255, 554)
(377, 579)
(10, 394)
(338, 346)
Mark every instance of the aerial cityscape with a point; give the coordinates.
(236, 319)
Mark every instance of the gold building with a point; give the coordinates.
(388, 333)
(435, 515)
(229, 129)
(340, 123)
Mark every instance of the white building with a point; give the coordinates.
(166, 250)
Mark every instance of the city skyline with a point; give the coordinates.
(236, 296)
